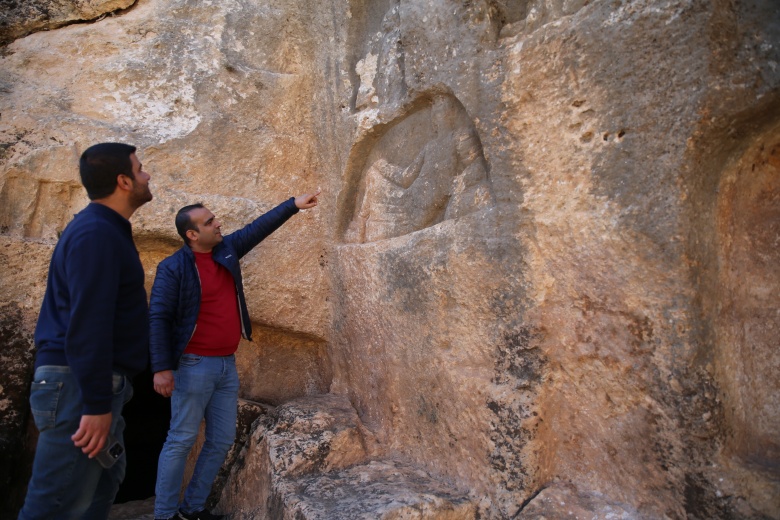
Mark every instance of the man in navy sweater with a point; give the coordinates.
(198, 314)
(92, 337)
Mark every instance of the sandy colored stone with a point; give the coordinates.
(279, 366)
(380, 489)
(544, 261)
(307, 459)
(304, 436)
(562, 501)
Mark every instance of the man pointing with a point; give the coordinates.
(198, 314)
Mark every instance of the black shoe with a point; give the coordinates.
(174, 517)
(200, 515)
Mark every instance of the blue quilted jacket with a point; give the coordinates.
(175, 300)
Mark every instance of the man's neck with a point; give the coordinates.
(197, 249)
(117, 205)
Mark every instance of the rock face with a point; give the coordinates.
(307, 460)
(542, 280)
(16, 438)
(21, 17)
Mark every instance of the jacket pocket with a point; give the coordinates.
(44, 398)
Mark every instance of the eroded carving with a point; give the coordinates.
(40, 192)
(381, 71)
(38, 208)
(447, 177)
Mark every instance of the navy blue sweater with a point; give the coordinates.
(94, 316)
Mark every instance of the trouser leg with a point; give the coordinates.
(220, 416)
(64, 480)
(194, 382)
(111, 478)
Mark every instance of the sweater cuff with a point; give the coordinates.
(100, 407)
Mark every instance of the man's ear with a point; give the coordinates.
(192, 235)
(124, 182)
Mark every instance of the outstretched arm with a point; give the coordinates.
(306, 201)
(255, 232)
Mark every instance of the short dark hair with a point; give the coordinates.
(101, 163)
(184, 222)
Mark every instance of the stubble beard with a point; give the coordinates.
(141, 197)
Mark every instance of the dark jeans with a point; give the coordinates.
(65, 483)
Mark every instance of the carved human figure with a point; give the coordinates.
(470, 190)
(447, 179)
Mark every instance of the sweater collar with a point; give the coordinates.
(109, 214)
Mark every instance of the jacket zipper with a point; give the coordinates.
(200, 284)
(240, 315)
(238, 301)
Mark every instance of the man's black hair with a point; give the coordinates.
(184, 222)
(101, 163)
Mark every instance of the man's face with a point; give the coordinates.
(209, 232)
(140, 194)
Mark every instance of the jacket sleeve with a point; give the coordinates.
(243, 240)
(162, 316)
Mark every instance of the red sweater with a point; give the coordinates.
(218, 329)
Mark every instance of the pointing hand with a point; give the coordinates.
(306, 201)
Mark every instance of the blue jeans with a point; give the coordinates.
(65, 483)
(204, 387)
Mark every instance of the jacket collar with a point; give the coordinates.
(187, 250)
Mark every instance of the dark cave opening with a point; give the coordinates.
(147, 416)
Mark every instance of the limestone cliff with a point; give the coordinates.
(542, 281)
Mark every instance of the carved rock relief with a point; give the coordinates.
(381, 71)
(39, 196)
(428, 167)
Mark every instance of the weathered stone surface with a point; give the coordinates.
(378, 489)
(22, 281)
(305, 435)
(21, 17)
(16, 358)
(748, 227)
(296, 459)
(441, 176)
(317, 433)
(562, 501)
(544, 262)
(278, 366)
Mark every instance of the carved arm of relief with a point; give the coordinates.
(404, 177)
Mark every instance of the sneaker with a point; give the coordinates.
(200, 515)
